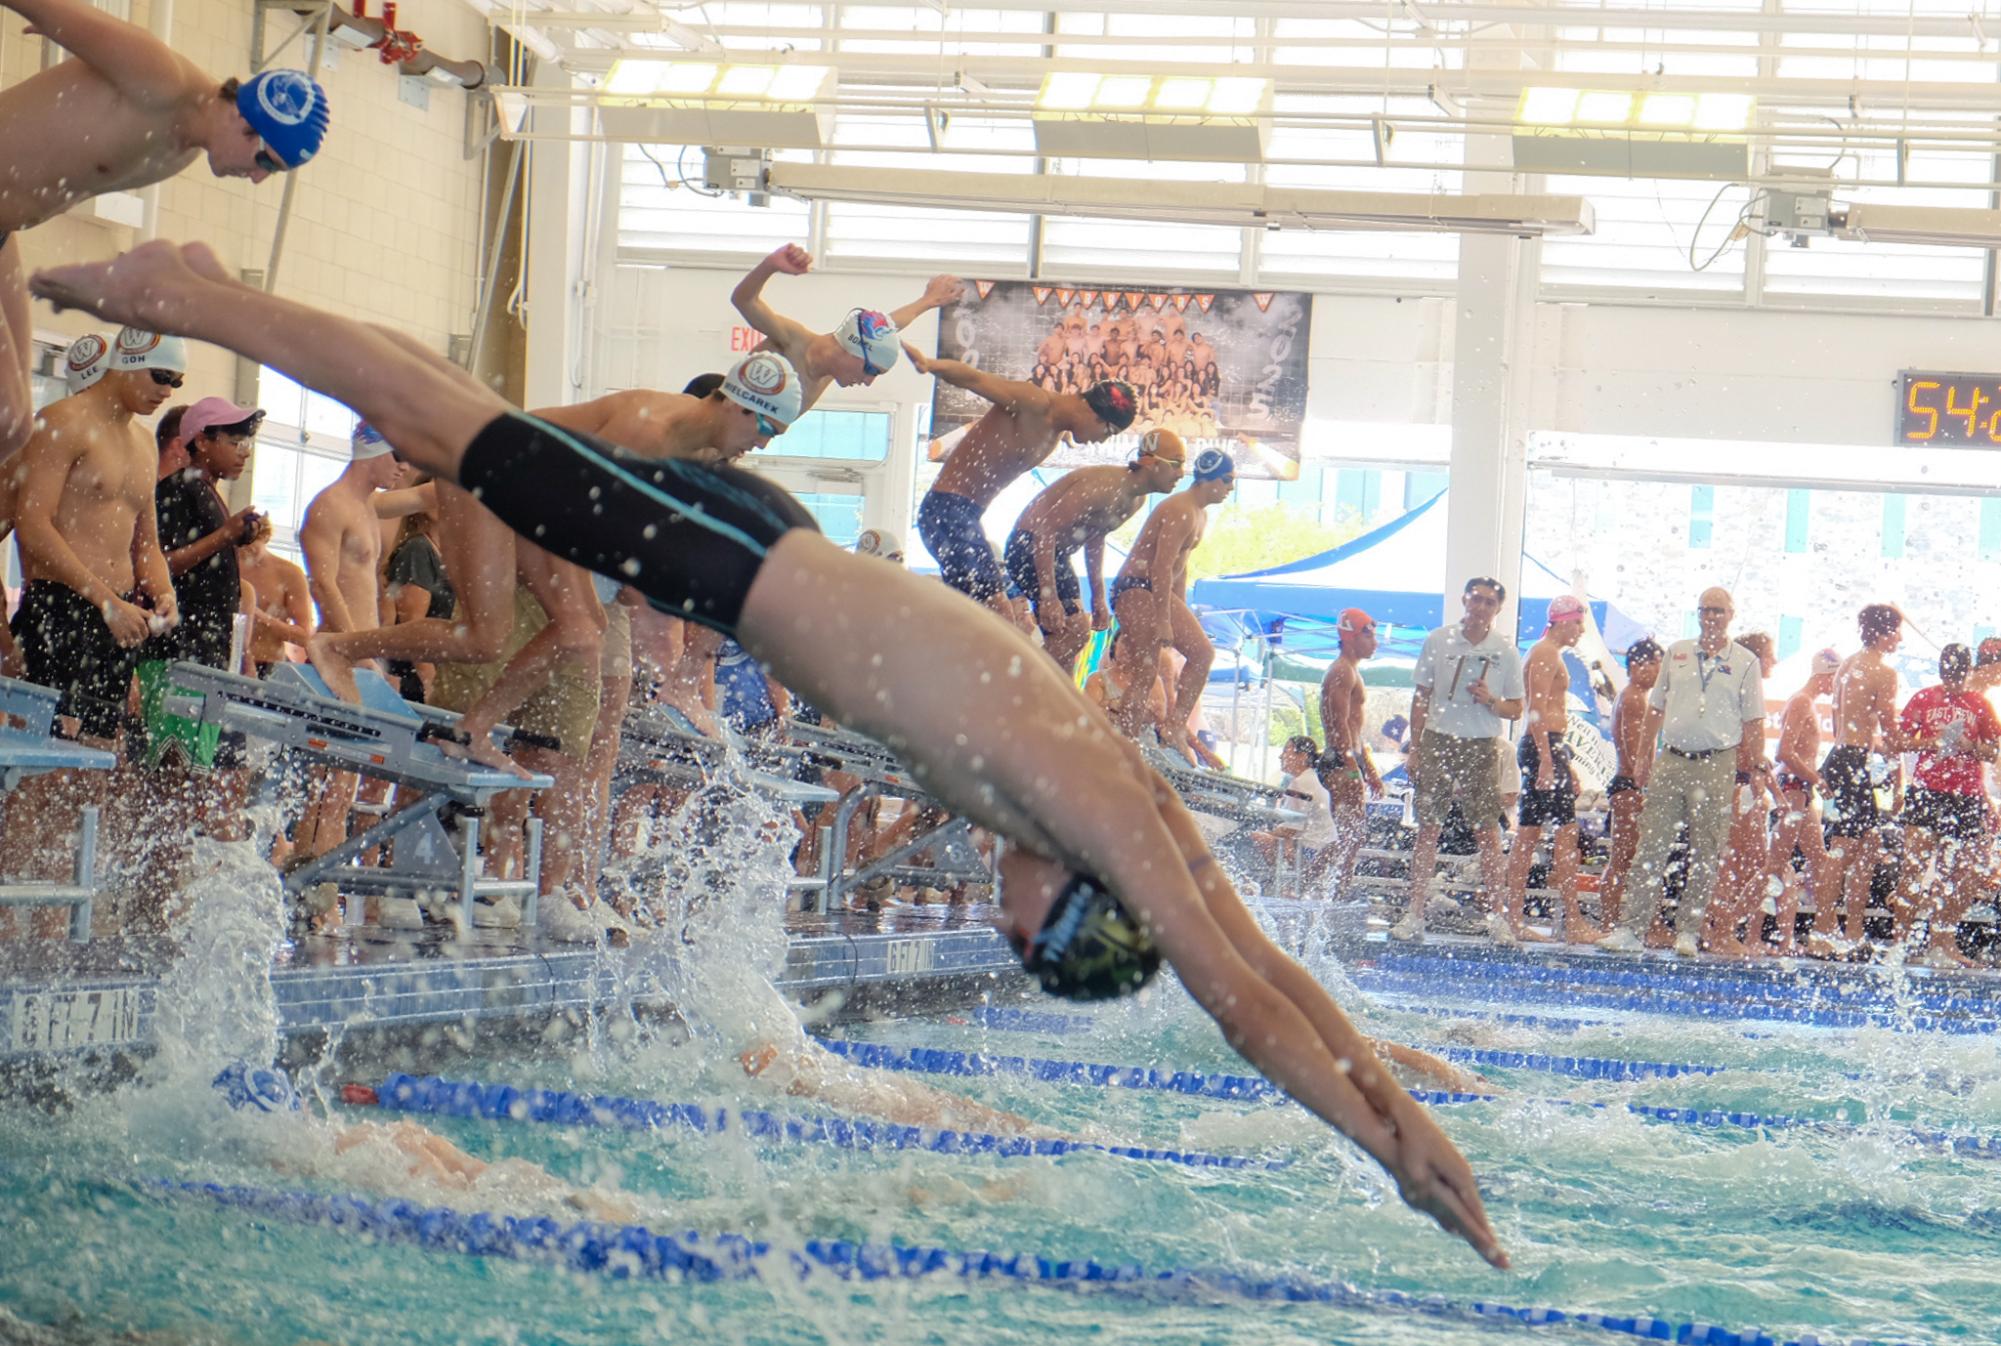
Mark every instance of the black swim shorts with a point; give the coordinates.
(952, 532)
(1556, 806)
(1125, 582)
(689, 536)
(1021, 573)
(1846, 784)
(1947, 813)
(1620, 784)
(66, 645)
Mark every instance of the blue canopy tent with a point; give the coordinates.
(1396, 574)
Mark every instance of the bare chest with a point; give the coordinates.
(70, 136)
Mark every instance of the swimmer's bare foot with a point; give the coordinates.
(336, 668)
(480, 747)
(1528, 934)
(152, 286)
(1942, 954)
(1578, 930)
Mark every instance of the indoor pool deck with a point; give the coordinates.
(928, 959)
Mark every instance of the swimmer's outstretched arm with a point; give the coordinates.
(1014, 395)
(129, 58)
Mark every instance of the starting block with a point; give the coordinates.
(384, 738)
(28, 747)
(662, 745)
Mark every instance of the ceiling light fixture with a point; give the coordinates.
(770, 105)
(1221, 119)
(1661, 133)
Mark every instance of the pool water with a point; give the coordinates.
(1855, 1230)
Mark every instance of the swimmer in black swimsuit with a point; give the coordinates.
(881, 650)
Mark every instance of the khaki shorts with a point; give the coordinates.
(564, 708)
(1464, 767)
(617, 642)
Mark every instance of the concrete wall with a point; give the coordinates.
(387, 216)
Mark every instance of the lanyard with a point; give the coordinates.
(1703, 678)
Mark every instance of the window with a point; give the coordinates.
(1305, 492)
(856, 436)
(1358, 494)
(1074, 245)
(301, 447)
(1646, 227)
(1701, 517)
(1799, 511)
(664, 208)
(1419, 487)
(1691, 625)
(839, 515)
(1789, 636)
(1893, 526)
(1990, 529)
(989, 239)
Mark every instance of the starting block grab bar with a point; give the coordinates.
(384, 738)
(29, 747)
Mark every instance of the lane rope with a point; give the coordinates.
(635, 1252)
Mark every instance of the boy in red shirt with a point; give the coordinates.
(1945, 813)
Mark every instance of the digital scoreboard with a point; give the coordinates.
(1949, 410)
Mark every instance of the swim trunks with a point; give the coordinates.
(690, 536)
(1847, 785)
(1125, 582)
(1788, 782)
(565, 707)
(66, 645)
(1621, 784)
(1021, 573)
(167, 734)
(1556, 806)
(1947, 813)
(950, 527)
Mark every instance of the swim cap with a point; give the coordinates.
(1565, 608)
(1989, 651)
(367, 443)
(1112, 401)
(136, 349)
(1215, 465)
(1354, 619)
(288, 111)
(878, 542)
(85, 361)
(1161, 443)
(764, 382)
(1827, 661)
(243, 1085)
(1090, 948)
(870, 336)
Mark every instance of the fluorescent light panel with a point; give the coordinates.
(1650, 134)
(765, 105)
(1220, 119)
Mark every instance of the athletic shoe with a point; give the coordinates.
(1621, 941)
(1409, 930)
(1685, 945)
(496, 913)
(398, 913)
(1500, 931)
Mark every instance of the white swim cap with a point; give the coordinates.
(872, 337)
(765, 382)
(85, 361)
(367, 443)
(1826, 661)
(136, 349)
(878, 542)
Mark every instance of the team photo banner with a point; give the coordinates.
(1224, 369)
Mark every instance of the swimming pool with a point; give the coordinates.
(1611, 1165)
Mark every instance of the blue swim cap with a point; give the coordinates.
(1213, 465)
(288, 110)
(243, 1085)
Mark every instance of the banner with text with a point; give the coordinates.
(1224, 369)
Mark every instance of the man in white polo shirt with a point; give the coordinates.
(1468, 680)
(1709, 706)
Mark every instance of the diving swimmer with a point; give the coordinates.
(1106, 875)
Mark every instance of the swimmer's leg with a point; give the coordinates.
(17, 401)
(573, 639)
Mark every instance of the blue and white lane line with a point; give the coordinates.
(635, 1252)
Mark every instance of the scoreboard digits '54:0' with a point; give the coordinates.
(1949, 409)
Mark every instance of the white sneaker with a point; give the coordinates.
(559, 919)
(1621, 941)
(1685, 946)
(496, 913)
(1409, 930)
(1500, 931)
(398, 913)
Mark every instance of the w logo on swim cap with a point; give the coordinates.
(287, 97)
(132, 341)
(85, 351)
(763, 375)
